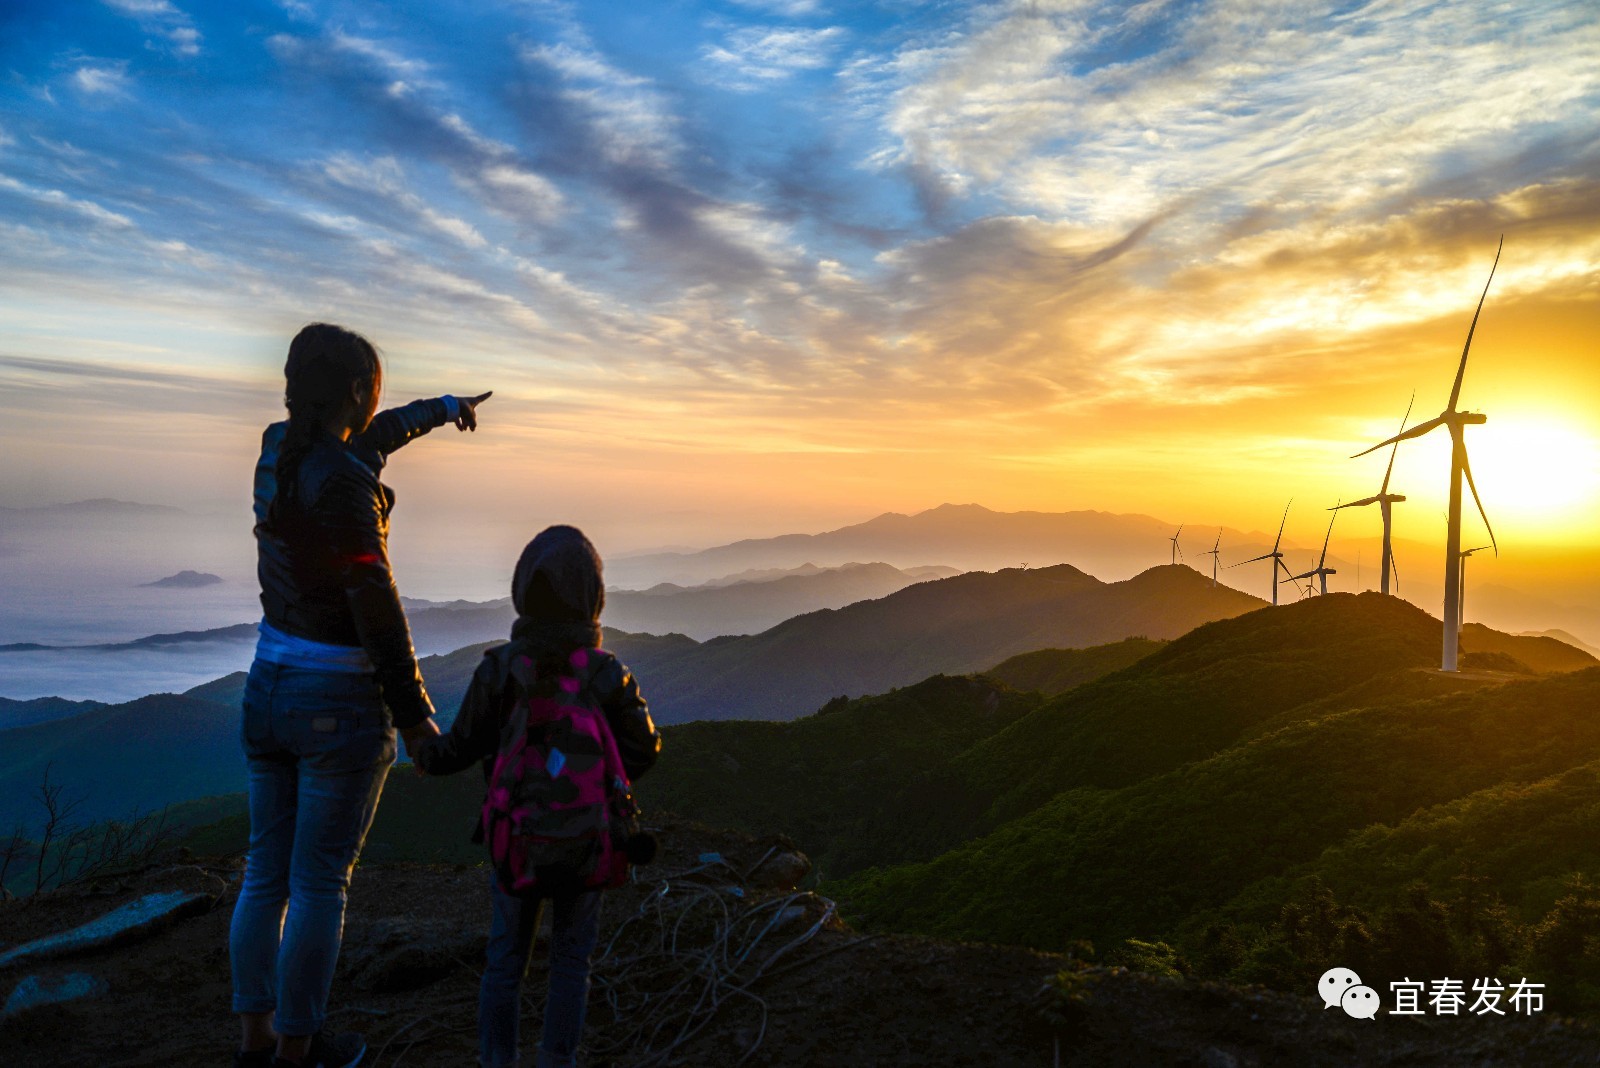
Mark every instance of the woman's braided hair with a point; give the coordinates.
(324, 362)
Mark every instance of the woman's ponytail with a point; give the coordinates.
(324, 362)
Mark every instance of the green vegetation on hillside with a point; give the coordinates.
(1055, 671)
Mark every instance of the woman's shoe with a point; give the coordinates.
(329, 1051)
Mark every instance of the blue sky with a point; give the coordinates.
(779, 264)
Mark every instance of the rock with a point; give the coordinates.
(780, 871)
(170, 896)
(397, 954)
(35, 992)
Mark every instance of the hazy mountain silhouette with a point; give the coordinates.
(15, 713)
(966, 536)
(185, 580)
(959, 624)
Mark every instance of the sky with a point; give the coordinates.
(749, 267)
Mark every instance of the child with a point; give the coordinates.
(557, 592)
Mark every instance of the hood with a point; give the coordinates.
(557, 579)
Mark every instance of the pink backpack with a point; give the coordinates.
(559, 809)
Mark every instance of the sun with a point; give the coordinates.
(1534, 470)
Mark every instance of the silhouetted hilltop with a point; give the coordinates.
(1541, 653)
(960, 624)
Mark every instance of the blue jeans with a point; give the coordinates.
(319, 746)
(574, 927)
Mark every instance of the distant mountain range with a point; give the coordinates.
(733, 604)
(1114, 546)
(958, 624)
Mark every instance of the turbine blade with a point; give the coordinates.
(1466, 469)
(1252, 560)
(1403, 419)
(1281, 522)
(1355, 504)
(1461, 372)
(1324, 557)
(1394, 565)
(1415, 432)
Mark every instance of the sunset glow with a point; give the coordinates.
(777, 266)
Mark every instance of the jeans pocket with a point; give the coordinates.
(255, 720)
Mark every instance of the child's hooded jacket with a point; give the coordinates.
(558, 593)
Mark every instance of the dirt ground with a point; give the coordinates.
(809, 992)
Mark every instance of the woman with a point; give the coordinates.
(333, 678)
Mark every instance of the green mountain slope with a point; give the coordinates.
(1055, 671)
(830, 780)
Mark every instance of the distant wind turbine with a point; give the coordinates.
(1177, 552)
(1456, 421)
(1275, 556)
(1384, 500)
(1322, 571)
(1461, 605)
(1215, 550)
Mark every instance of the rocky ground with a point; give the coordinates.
(710, 959)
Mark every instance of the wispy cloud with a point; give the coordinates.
(752, 57)
(101, 79)
(162, 18)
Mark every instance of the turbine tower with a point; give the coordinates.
(1214, 553)
(1457, 422)
(1461, 605)
(1384, 500)
(1322, 571)
(1176, 552)
(1275, 555)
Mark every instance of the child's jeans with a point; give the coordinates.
(574, 927)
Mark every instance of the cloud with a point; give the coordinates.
(632, 123)
(102, 79)
(753, 57)
(1063, 109)
(385, 178)
(785, 8)
(162, 18)
(58, 199)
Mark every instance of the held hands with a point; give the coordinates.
(417, 737)
(467, 410)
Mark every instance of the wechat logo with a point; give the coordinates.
(1342, 987)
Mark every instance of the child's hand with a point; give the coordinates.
(417, 737)
(467, 410)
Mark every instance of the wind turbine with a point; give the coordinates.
(1214, 553)
(1384, 500)
(1456, 421)
(1461, 605)
(1275, 555)
(1176, 551)
(1322, 571)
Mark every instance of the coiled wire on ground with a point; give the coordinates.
(695, 946)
